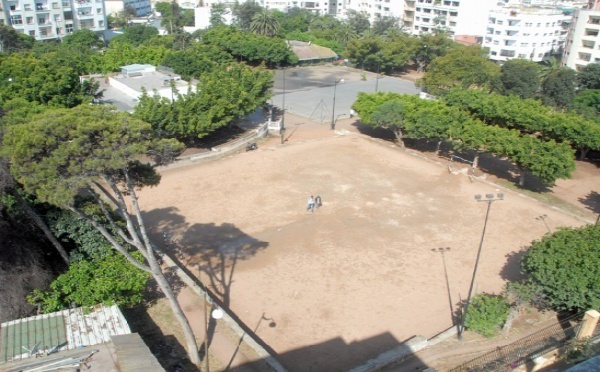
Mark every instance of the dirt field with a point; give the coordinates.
(361, 274)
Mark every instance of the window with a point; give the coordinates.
(27, 6)
(499, 22)
(495, 42)
(66, 4)
(100, 23)
(497, 33)
(99, 11)
(16, 19)
(547, 24)
(527, 24)
(539, 25)
(32, 33)
(533, 44)
(29, 20)
(69, 28)
(524, 45)
(522, 55)
(54, 5)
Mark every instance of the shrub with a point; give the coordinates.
(486, 314)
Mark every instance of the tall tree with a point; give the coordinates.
(217, 15)
(265, 23)
(358, 21)
(391, 115)
(464, 67)
(565, 266)
(243, 14)
(589, 76)
(85, 38)
(12, 41)
(558, 88)
(521, 78)
(64, 152)
(381, 25)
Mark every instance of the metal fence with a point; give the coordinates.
(509, 357)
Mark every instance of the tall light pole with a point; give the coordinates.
(489, 199)
(282, 127)
(335, 83)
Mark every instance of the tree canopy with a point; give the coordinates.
(520, 77)
(565, 267)
(463, 67)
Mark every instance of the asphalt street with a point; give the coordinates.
(313, 96)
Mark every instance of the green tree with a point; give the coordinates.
(587, 103)
(391, 115)
(358, 21)
(217, 15)
(487, 314)
(520, 77)
(84, 39)
(375, 54)
(426, 48)
(110, 279)
(382, 25)
(12, 41)
(62, 153)
(565, 266)
(589, 76)
(558, 88)
(265, 23)
(464, 67)
(136, 35)
(222, 95)
(243, 14)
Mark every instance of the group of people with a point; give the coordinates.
(313, 202)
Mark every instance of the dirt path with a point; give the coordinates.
(361, 274)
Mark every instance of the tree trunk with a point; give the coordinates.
(437, 148)
(583, 153)
(399, 138)
(42, 225)
(158, 275)
(165, 287)
(521, 176)
(475, 163)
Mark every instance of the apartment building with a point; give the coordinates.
(53, 19)
(455, 17)
(142, 7)
(527, 32)
(583, 41)
(373, 8)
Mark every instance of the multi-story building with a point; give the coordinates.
(455, 17)
(527, 32)
(142, 7)
(372, 8)
(53, 19)
(583, 41)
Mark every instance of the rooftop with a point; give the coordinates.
(151, 81)
(309, 51)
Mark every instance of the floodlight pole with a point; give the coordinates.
(335, 83)
(489, 199)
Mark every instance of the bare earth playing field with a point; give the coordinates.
(358, 276)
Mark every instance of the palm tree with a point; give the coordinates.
(345, 33)
(265, 23)
(549, 67)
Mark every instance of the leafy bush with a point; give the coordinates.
(110, 279)
(565, 267)
(578, 351)
(486, 314)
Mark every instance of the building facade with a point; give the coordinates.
(455, 17)
(142, 7)
(526, 32)
(53, 19)
(583, 41)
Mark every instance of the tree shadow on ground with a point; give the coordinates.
(166, 348)
(488, 163)
(338, 355)
(214, 249)
(511, 271)
(591, 202)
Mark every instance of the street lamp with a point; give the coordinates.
(215, 313)
(283, 104)
(335, 83)
(489, 199)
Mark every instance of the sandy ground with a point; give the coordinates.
(361, 274)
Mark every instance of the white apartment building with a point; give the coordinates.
(456, 17)
(583, 41)
(53, 19)
(142, 7)
(372, 8)
(534, 33)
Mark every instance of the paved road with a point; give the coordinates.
(311, 95)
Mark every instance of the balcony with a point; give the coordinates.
(507, 53)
